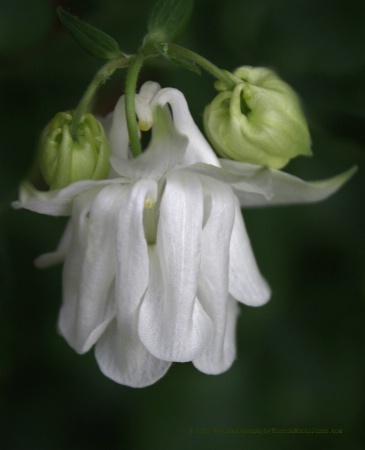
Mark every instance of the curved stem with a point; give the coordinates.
(219, 74)
(103, 74)
(130, 106)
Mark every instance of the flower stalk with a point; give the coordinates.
(101, 76)
(130, 92)
(174, 50)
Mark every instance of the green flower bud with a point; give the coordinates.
(260, 121)
(64, 159)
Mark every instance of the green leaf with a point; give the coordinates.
(168, 20)
(93, 40)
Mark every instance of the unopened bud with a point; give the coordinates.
(259, 121)
(64, 159)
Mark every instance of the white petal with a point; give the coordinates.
(212, 363)
(118, 130)
(144, 113)
(122, 357)
(281, 188)
(165, 151)
(58, 256)
(57, 202)
(118, 133)
(106, 122)
(251, 182)
(172, 324)
(119, 352)
(261, 186)
(148, 91)
(198, 149)
(213, 279)
(132, 254)
(143, 107)
(89, 271)
(176, 140)
(246, 284)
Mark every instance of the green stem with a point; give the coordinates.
(130, 106)
(102, 75)
(219, 74)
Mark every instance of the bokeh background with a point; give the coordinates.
(301, 357)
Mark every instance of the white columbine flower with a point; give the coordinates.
(157, 257)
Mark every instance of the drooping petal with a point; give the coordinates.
(123, 358)
(120, 352)
(132, 254)
(246, 283)
(214, 364)
(213, 277)
(172, 324)
(89, 270)
(58, 256)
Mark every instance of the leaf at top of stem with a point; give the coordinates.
(168, 20)
(93, 40)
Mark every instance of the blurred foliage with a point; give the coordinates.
(301, 357)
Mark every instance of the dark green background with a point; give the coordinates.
(301, 357)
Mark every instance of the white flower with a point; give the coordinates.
(156, 258)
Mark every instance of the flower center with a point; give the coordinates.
(150, 219)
